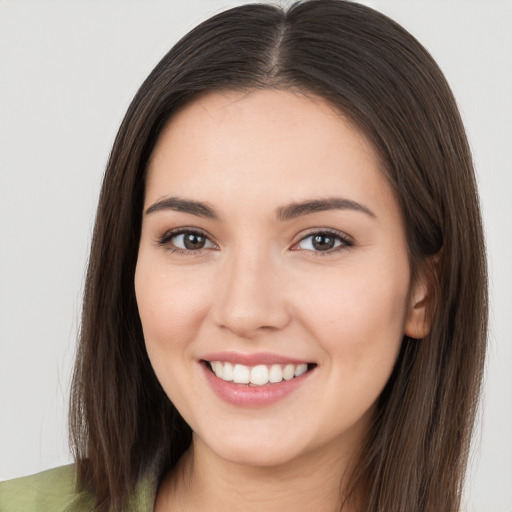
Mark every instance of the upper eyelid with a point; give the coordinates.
(330, 231)
(179, 231)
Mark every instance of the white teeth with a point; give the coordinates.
(289, 372)
(276, 373)
(241, 374)
(300, 369)
(227, 372)
(218, 368)
(259, 375)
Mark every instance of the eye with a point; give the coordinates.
(323, 241)
(186, 240)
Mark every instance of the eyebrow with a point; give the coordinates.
(295, 210)
(183, 205)
(284, 213)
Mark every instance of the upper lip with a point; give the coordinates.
(253, 359)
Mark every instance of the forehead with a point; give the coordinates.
(264, 146)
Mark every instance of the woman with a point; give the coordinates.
(277, 310)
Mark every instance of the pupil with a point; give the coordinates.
(323, 242)
(193, 241)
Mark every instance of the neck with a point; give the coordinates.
(204, 481)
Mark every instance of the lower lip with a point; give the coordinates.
(243, 395)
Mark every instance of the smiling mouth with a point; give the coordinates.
(259, 375)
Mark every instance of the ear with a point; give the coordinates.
(418, 319)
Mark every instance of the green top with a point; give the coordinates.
(55, 491)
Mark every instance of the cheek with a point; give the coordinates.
(171, 307)
(358, 317)
(359, 327)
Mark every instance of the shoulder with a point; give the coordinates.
(53, 490)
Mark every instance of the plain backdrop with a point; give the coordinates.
(68, 70)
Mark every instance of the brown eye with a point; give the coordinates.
(193, 241)
(324, 242)
(187, 241)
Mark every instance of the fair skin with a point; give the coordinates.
(231, 270)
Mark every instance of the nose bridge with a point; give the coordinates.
(250, 298)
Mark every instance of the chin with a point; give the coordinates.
(257, 456)
(254, 449)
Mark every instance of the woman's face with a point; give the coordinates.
(272, 254)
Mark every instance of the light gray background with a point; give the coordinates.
(68, 70)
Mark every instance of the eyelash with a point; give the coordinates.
(345, 241)
(165, 240)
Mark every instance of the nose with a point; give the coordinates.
(250, 298)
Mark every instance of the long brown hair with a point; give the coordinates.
(121, 422)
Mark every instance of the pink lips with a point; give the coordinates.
(244, 395)
(251, 359)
